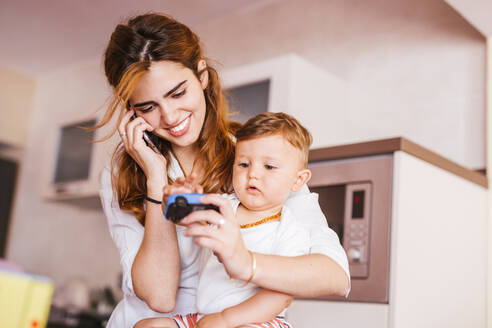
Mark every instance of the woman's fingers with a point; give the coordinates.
(202, 230)
(209, 216)
(124, 121)
(122, 129)
(222, 203)
(126, 131)
(135, 130)
(131, 130)
(213, 244)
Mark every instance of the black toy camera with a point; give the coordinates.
(180, 205)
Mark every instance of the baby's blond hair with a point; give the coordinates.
(268, 123)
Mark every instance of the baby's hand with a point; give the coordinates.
(181, 186)
(214, 320)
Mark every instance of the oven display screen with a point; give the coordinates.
(358, 204)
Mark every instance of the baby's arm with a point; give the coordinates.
(264, 306)
(156, 323)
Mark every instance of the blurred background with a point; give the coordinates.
(380, 69)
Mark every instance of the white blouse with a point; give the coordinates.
(127, 233)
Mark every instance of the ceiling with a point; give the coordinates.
(477, 12)
(38, 37)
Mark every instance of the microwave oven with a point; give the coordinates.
(355, 196)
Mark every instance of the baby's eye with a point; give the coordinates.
(269, 167)
(179, 94)
(243, 164)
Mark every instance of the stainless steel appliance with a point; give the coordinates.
(355, 196)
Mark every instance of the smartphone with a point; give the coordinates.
(147, 140)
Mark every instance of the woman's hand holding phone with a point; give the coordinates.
(131, 130)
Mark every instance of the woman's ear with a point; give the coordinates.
(203, 73)
(303, 177)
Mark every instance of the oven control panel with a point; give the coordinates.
(356, 227)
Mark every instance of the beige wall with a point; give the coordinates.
(489, 172)
(53, 238)
(16, 103)
(412, 68)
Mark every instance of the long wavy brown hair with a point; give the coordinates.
(132, 49)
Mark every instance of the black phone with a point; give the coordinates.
(148, 141)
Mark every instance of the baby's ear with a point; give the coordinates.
(303, 177)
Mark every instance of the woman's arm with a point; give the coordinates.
(155, 271)
(309, 275)
(129, 236)
(157, 265)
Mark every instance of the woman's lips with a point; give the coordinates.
(181, 128)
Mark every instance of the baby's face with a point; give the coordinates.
(265, 171)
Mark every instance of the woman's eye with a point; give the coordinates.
(243, 164)
(147, 109)
(269, 167)
(179, 94)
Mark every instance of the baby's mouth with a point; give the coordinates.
(253, 189)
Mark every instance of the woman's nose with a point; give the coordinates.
(169, 114)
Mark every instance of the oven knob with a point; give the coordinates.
(354, 254)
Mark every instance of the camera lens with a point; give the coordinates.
(181, 201)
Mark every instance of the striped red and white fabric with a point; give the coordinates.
(278, 322)
(187, 321)
(190, 320)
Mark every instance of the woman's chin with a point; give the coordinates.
(184, 141)
(181, 141)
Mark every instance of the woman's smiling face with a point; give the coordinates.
(171, 99)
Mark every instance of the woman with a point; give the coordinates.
(164, 85)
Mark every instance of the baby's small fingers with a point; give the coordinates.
(198, 189)
(191, 177)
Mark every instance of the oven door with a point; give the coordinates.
(355, 196)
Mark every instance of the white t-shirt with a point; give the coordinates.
(127, 233)
(286, 237)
